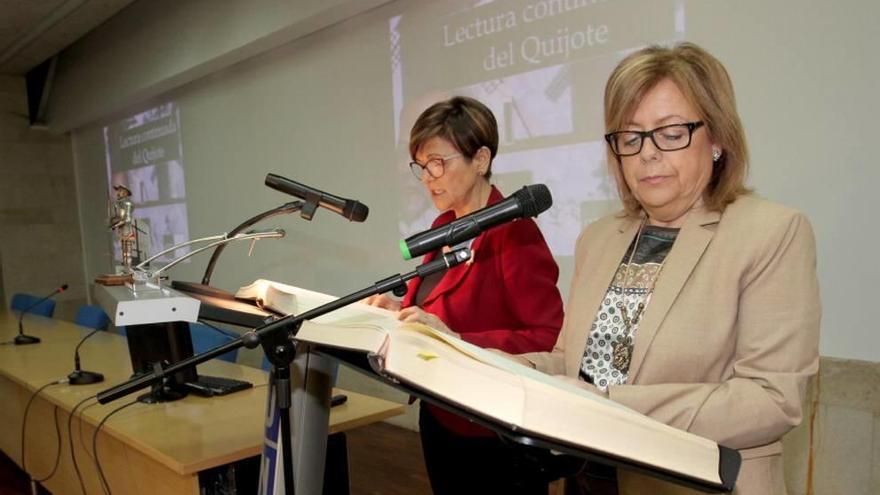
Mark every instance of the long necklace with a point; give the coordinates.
(622, 348)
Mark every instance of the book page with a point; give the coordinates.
(251, 291)
(431, 364)
(500, 362)
(367, 338)
(271, 295)
(279, 300)
(357, 313)
(529, 400)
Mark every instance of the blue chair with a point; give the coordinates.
(21, 302)
(205, 338)
(92, 317)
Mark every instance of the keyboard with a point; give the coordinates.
(210, 386)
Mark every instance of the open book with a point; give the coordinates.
(291, 300)
(270, 295)
(522, 399)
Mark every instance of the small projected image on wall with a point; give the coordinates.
(144, 153)
(528, 105)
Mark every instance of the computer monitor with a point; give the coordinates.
(165, 343)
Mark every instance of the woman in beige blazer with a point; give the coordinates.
(698, 305)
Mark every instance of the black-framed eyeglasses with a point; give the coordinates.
(672, 137)
(435, 167)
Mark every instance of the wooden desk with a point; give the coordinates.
(144, 449)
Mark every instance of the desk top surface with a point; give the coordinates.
(188, 435)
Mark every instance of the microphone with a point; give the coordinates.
(23, 339)
(78, 376)
(445, 262)
(527, 202)
(353, 210)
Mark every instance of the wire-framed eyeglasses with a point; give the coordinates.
(672, 137)
(435, 167)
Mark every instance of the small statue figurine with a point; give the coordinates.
(122, 221)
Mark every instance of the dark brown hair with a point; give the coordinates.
(465, 122)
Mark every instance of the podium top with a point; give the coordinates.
(221, 306)
(145, 305)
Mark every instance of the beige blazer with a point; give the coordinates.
(729, 338)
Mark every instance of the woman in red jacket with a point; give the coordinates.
(504, 298)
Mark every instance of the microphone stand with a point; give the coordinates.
(278, 339)
(21, 338)
(214, 241)
(79, 376)
(292, 207)
(142, 276)
(205, 287)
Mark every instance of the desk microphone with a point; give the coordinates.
(23, 339)
(78, 376)
(353, 210)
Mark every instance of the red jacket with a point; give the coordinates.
(504, 298)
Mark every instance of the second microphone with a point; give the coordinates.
(530, 201)
(351, 209)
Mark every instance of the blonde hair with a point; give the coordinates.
(707, 86)
(465, 122)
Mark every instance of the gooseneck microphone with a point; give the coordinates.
(529, 201)
(351, 209)
(80, 376)
(23, 339)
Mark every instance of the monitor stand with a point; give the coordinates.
(161, 391)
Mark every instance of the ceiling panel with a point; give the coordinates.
(31, 31)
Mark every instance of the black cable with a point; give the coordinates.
(79, 477)
(220, 330)
(58, 450)
(24, 420)
(82, 442)
(104, 483)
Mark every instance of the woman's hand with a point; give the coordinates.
(415, 314)
(382, 301)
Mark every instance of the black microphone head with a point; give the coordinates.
(63, 288)
(534, 199)
(273, 180)
(355, 211)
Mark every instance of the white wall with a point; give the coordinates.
(40, 246)
(805, 75)
(319, 109)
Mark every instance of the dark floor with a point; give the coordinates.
(384, 459)
(12, 479)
